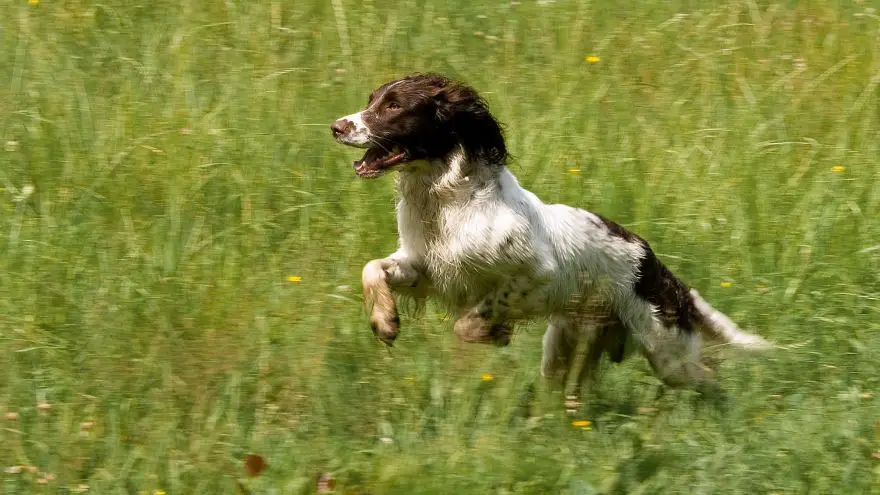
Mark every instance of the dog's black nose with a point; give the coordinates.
(340, 127)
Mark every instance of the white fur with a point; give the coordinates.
(360, 136)
(454, 218)
(722, 328)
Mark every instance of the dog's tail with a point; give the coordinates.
(717, 326)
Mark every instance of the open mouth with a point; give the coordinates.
(377, 161)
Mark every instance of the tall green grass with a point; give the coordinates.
(182, 240)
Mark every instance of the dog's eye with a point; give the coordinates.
(393, 106)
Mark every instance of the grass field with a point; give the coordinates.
(182, 241)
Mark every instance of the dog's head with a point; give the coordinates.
(422, 116)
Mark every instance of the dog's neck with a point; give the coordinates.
(454, 179)
(437, 196)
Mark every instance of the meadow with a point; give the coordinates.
(181, 243)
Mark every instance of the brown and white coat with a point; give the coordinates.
(493, 253)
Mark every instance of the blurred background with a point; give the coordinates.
(181, 245)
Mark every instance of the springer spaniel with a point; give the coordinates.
(493, 253)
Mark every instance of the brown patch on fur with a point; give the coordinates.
(657, 285)
(618, 230)
(672, 298)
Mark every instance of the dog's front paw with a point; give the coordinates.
(500, 334)
(385, 326)
(478, 330)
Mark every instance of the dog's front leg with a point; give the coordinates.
(479, 326)
(487, 322)
(380, 277)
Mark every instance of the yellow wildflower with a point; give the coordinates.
(726, 284)
(487, 377)
(574, 171)
(33, 2)
(582, 424)
(295, 279)
(591, 59)
(838, 169)
(158, 492)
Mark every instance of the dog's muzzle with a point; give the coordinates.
(341, 127)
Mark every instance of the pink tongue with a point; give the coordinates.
(370, 156)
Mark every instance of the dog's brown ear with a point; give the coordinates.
(453, 99)
(440, 99)
(466, 114)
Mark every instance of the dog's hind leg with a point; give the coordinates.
(674, 353)
(559, 345)
(605, 334)
(379, 278)
(679, 364)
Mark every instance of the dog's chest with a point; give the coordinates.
(469, 247)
